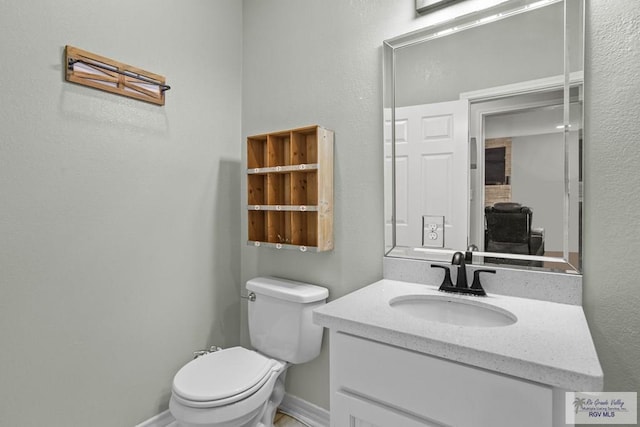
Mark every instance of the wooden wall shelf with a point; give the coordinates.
(290, 189)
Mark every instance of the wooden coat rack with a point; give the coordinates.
(102, 73)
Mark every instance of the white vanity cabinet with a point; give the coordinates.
(390, 368)
(379, 385)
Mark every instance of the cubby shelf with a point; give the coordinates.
(283, 169)
(290, 189)
(301, 208)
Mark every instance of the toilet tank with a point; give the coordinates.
(280, 324)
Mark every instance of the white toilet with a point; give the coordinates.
(237, 387)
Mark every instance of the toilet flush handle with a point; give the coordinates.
(200, 353)
(251, 296)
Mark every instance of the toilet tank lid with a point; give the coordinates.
(287, 290)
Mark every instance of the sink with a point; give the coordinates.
(452, 310)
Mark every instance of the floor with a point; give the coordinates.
(280, 420)
(283, 420)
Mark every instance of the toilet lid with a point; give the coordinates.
(222, 374)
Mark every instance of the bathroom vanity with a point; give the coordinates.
(392, 367)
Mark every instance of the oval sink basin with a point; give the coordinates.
(451, 310)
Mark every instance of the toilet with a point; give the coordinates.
(237, 387)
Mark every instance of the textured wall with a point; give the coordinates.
(119, 224)
(524, 47)
(307, 62)
(119, 220)
(319, 62)
(612, 187)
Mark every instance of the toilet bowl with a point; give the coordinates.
(231, 387)
(237, 387)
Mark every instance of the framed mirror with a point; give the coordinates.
(485, 154)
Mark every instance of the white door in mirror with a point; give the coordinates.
(432, 174)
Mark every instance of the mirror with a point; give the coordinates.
(486, 150)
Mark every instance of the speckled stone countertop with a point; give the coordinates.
(550, 343)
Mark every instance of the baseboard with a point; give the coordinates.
(163, 419)
(306, 412)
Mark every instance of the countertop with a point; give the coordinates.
(550, 343)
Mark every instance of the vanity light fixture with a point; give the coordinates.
(424, 6)
(428, 5)
(539, 4)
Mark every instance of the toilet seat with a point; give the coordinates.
(223, 377)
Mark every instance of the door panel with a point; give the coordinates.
(432, 170)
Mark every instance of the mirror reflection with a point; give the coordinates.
(521, 155)
(487, 142)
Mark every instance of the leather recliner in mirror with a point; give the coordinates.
(508, 230)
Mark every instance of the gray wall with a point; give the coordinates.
(119, 220)
(612, 157)
(119, 223)
(527, 46)
(537, 181)
(319, 62)
(309, 62)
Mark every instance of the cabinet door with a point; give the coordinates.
(435, 389)
(349, 410)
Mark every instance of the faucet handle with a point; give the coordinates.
(476, 280)
(446, 282)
